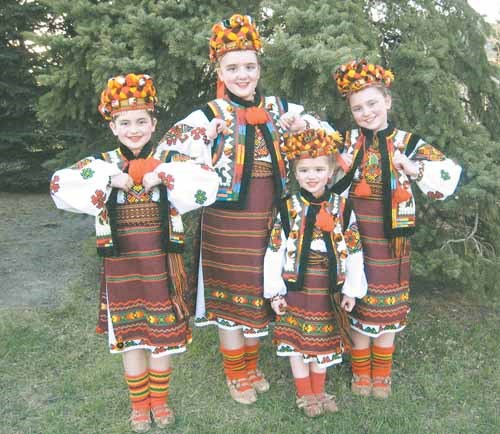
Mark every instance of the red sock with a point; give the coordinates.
(303, 386)
(159, 383)
(318, 382)
(138, 386)
(382, 361)
(360, 361)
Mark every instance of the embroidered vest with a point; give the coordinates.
(232, 159)
(292, 220)
(104, 223)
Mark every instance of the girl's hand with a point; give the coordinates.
(347, 303)
(150, 180)
(292, 122)
(345, 161)
(402, 163)
(123, 181)
(278, 304)
(216, 127)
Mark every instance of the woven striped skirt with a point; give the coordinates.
(308, 327)
(385, 306)
(233, 244)
(135, 292)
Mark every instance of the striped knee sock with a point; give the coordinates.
(138, 386)
(382, 361)
(252, 356)
(303, 386)
(235, 366)
(318, 382)
(158, 386)
(360, 361)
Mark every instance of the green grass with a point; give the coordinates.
(57, 377)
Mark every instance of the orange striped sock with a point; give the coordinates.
(318, 382)
(138, 386)
(252, 356)
(235, 366)
(303, 386)
(158, 386)
(382, 361)
(360, 361)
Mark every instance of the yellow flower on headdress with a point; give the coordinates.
(354, 76)
(311, 143)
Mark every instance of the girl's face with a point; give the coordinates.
(240, 72)
(313, 174)
(369, 108)
(133, 128)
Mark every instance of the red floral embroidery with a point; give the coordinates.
(98, 199)
(168, 180)
(54, 186)
(434, 195)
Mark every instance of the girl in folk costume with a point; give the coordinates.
(381, 162)
(240, 132)
(137, 194)
(314, 249)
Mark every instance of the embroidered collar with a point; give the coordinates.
(380, 134)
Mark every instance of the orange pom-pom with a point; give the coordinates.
(256, 115)
(138, 168)
(363, 189)
(324, 220)
(401, 194)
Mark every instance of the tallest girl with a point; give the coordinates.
(240, 134)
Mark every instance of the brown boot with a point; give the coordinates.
(140, 420)
(258, 381)
(309, 405)
(241, 390)
(361, 385)
(327, 402)
(381, 387)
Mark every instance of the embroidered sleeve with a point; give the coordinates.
(355, 284)
(437, 176)
(189, 185)
(187, 137)
(274, 260)
(83, 187)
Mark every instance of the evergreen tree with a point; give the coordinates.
(23, 140)
(445, 90)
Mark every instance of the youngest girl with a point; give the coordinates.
(314, 248)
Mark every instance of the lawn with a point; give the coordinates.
(56, 376)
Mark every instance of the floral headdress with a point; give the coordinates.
(311, 143)
(236, 33)
(127, 92)
(354, 76)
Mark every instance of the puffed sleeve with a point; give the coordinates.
(355, 284)
(437, 176)
(274, 261)
(188, 137)
(190, 185)
(84, 187)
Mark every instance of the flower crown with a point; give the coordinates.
(311, 143)
(354, 76)
(236, 33)
(127, 92)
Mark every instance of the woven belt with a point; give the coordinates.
(317, 258)
(376, 188)
(262, 169)
(138, 214)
